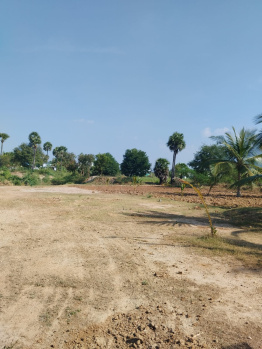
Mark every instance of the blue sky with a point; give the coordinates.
(106, 76)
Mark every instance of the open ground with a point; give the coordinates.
(123, 266)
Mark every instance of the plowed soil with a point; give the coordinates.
(104, 267)
(219, 195)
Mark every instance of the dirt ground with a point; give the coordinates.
(100, 267)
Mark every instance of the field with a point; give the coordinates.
(103, 266)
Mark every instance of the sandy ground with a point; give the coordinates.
(87, 269)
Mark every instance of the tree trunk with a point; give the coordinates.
(2, 147)
(34, 158)
(173, 167)
(238, 186)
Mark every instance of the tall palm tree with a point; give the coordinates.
(258, 120)
(47, 146)
(59, 153)
(3, 137)
(34, 141)
(175, 143)
(242, 154)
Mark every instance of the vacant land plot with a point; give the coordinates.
(83, 268)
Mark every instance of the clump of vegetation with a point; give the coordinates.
(161, 170)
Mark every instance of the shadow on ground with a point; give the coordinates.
(238, 346)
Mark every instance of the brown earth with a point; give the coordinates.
(219, 196)
(86, 267)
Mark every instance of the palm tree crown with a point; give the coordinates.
(3, 137)
(175, 143)
(258, 120)
(242, 153)
(47, 146)
(34, 141)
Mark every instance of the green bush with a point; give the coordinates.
(16, 180)
(59, 180)
(199, 179)
(31, 179)
(68, 178)
(46, 180)
(46, 171)
(5, 174)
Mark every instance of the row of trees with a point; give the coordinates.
(234, 157)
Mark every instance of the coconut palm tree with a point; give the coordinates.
(258, 120)
(47, 146)
(34, 141)
(242, 154)
(3, 137)
(175, 143)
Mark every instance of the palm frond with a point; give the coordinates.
(246, 180)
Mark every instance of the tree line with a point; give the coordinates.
(234, 158)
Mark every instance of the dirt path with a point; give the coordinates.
(85, 269)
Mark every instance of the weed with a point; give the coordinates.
(213, 229)
(78, 298)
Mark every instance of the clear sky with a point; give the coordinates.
(106, 76)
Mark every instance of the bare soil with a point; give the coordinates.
(100, 267)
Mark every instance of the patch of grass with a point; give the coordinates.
(70, 313)
(248, 217)
(249, 253)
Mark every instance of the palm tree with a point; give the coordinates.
(47, 146)
(34, 141)
(59, 153)
(161, 170)
(175, 143)
(3, 137)
(258, 120)
(242, 154)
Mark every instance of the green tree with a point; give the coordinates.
(34, 141)
(161, 170)
(24, 156)
(242, 154)
(175, 143)
(7, 159)
(85, 162)
(69, 162)
(105, 164)
(206, 156)
(59, 154)
(135, 163)
(47, 146)
(182, 170)
(3, 137)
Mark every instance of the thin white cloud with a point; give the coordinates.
(217, 132)
(206, 132)
(220, 131)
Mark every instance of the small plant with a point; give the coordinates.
(144, 282)
(183, 185)
(137, 180)
(213, 229)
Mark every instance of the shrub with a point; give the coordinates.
(31, 179)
